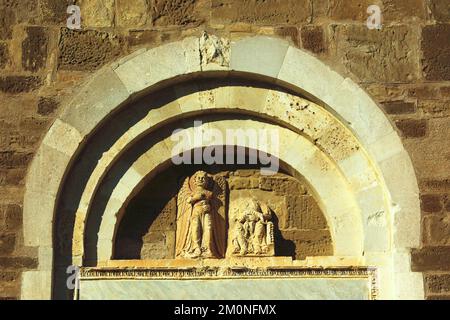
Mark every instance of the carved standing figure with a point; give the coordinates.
(201, 218)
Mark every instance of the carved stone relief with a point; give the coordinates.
(252, 231)
(201, 218)
(226, 214)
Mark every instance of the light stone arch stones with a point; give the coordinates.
(270, 59)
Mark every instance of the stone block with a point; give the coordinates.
(36, 285)
(388, 55)
(260, 55)
(289, 32)
(399, 107)
(13, 217)
(313, 39)
(269, 12)
(7, 243)
(88, 50)
(11, 159)
(54, 11)
(440, 10)
(437, 283)
(34, 49)
(133, 13)
(157, 64)
(4, 55)
(436, 52)
(104, 93)
(97, 13)
(436, 230)
(402, 10)
(178, 12)
(143, 37)
(348, 10)
(47, 105)
(435, 108)
(19, 84)
(431, 259)
(411, 128)
(7, 20)
(14, 263)
(424, 92)
(431, 203)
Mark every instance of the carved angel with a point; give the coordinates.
(201, 217)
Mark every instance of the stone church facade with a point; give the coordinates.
(87, 178)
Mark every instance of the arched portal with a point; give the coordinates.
(115, 134)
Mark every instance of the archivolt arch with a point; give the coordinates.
(148, 70)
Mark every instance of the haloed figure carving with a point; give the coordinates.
(200, 225)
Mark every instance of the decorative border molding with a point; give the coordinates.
(215, 273)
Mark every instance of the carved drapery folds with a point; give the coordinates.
(201, 217)
(202, 227)
(251, 229)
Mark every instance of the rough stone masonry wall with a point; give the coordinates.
(405, 67)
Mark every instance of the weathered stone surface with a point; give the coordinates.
(431, 203)
(133, 14)
(440, 9)
(138, 37)
(9, 159)
(7, 19)
(388, 55)
(445, 92)
(438, 297)
(16, 11)
(18, 84)
(289, 32)
(399, 107)
(426, 153)
(435, 185)
(399, 10)
(7, 243)
(176, 12)
(9, 285)
(431, 259)
(13, 217)
(436, 52)
(437, 230)
(313, 39)
(54, 11)
(12, 177)
(236, 183)
(347, 10)
(304, 213)
(438, 283)
(14, 263)
(392, 10)
(261, 12)
(88, 50)
(97, 13)
(34, 49)
(424, 92)
(4, 55)
(158, 245)
(435, 108)
(412, 128)
(309, 242)
(47, 105)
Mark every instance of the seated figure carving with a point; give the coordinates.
(253, 230)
